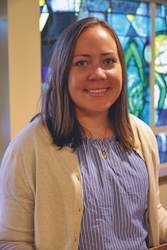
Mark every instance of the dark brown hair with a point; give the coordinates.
(57, 107)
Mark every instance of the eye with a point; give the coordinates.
(108, 61)
(81, 63)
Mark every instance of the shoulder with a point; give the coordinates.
(138, 122)
(145, 140)
(143, 134)
(140, 126)
(34, 140)
(33, 135)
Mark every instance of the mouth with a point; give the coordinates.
(97, 91)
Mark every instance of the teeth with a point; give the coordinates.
(96, 90)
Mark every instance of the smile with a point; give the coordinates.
(96, 90)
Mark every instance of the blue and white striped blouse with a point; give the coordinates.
(115, 193)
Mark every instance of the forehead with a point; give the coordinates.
(96, 37)
(96, 30)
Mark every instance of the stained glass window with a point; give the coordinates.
(132, 22)
(160, 94)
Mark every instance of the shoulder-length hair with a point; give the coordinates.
(57, 107)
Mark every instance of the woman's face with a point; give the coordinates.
(95, 76)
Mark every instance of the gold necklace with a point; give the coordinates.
(104, 153)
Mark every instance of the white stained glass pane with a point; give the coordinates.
(62, 5)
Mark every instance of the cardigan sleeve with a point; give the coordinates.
(149, 150)
(155, 163)
(162, 215)
(16, 204)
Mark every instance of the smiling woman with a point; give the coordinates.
(83, 174)
(95, 78)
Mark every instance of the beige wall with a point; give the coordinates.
(20, 66)
(163, 191)
(24, 61)
(20, 63)
(4, 79)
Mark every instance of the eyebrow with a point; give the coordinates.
(103, 54)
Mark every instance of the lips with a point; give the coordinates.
(97, 91)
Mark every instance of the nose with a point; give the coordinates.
(97, 73)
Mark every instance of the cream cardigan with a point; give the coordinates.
(41, 197)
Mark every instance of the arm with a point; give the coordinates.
(162, 213)
(16, 204)
(148, 150)
(154, 162)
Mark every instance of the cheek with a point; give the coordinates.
(72, 79)
(116, 79)
(118, 75)
(72, 86)
(74, 82)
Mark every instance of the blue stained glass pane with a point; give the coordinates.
(162, 146)
(133, 76)
(161, 10)
(132, 32)
(160, 24)
(141, 25)
(145, 114)
(83, 11)
(101, 6)
(44, 9)
(124, 40)
(143, 9)
(116, 21)
(123, 7)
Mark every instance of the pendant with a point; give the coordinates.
(104, 153)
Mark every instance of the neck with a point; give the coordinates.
(96, 127)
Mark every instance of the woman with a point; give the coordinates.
(84, 173)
